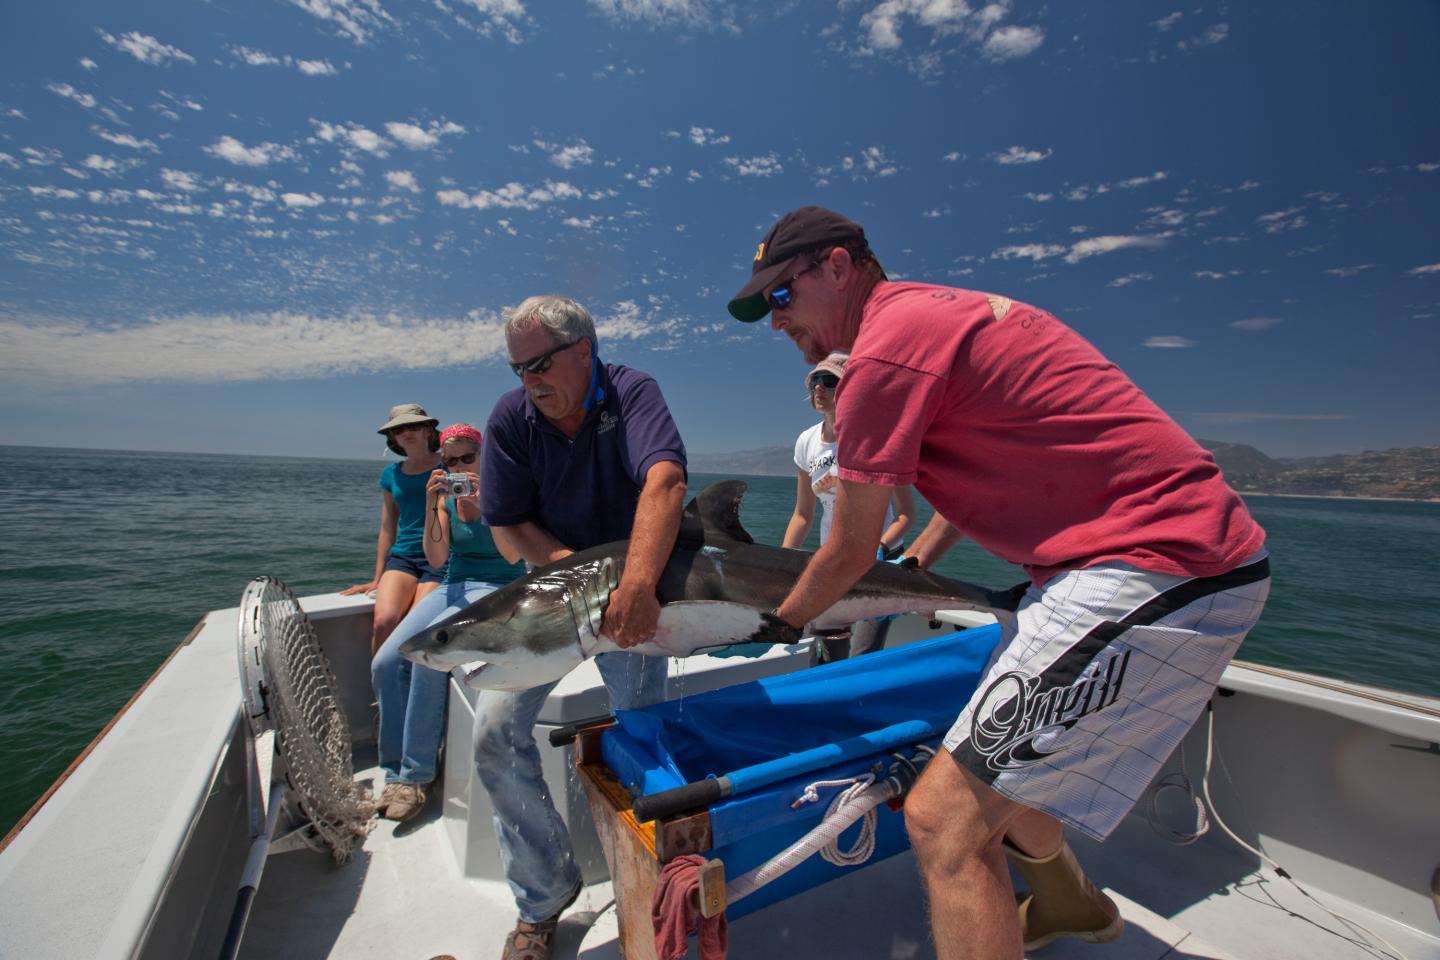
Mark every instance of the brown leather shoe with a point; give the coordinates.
(406, 803)
(532, 941)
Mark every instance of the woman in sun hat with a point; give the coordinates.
(815, 484)
(402, 574)
(412, 697)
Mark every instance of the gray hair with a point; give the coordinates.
(564, 319)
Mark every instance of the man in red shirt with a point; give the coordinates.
(1146, 569)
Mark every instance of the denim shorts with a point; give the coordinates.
(418, 567)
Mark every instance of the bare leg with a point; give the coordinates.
(1036, 834)
(956, 825)
(393, 599)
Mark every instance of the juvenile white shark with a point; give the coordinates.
(717, 588)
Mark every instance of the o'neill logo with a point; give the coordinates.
(1011, 714)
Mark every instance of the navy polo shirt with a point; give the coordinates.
(584, 491)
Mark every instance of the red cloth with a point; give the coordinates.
(675, 913)
(1021, 434)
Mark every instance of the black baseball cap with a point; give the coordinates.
(798, 232)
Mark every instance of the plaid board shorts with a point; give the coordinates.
(1097, 679)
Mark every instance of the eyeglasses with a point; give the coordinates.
(782, 297)
(539, 364)
(463, 458)
(407, 427)
(827, 380)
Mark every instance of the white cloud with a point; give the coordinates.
(579, 154)
(418, 138)
(763, 166)
(1130, 278)
(8, 161)
(1281, 221)
(147, 49)
(1086, 191)
(1009, 43)
(181, 180)
(1216, 274)
(1427, 167)
(512, 196)
(402, 180)
(229, 348)
(705, 136)
(89, 64)
(256, 58)
(125, 140)
(355, 20)
(1167, 21)
(260, 155)
(1352, 271)
(1212, 35)
(316, 68)
(1040, 197)
(657, 13)
(1094, 246)
(1169, 343)
(302, 199)
(352, 136)
(1256, 323)
(1035, 251)
(70, 93)
(1017, 154)
(1423, 271)
(260, 58)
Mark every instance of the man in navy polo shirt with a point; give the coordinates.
(584, 453)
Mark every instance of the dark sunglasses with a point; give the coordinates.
(539, 364)
(463, 458)
(407, 427)
(827, 380)
(782, 296)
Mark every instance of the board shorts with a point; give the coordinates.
(418, 567)
(1097, 679)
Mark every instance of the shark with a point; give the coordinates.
(719, 587)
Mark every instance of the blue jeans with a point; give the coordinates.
(412, 697)
(535, 847)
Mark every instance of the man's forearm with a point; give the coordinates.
(828, 577)
(938, 537)
(657, 523)
(531, 542)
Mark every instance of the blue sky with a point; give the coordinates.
(253, 227)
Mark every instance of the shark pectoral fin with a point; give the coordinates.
(515, 677)
(687, 627)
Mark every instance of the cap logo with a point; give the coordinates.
(760, 252)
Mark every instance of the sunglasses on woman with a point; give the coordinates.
(827, 380)
(540, 363)
(782, 297)
(450, 462)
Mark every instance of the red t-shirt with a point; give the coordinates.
(1029, 441)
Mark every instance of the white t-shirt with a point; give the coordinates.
(816, 456)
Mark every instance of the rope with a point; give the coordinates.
(864, 846)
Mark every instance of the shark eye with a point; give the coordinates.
(442, 636)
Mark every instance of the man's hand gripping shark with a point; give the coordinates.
(718, 587)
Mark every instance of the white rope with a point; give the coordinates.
(864, 846)
(851, 805)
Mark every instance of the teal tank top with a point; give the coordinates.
(473, 555)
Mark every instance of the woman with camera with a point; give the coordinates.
(412, 697)
(402, 573)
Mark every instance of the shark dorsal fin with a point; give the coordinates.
(714, 514)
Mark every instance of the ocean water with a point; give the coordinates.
(107, 559)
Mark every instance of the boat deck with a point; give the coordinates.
(404, 897)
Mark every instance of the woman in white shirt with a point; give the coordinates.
(815, 484)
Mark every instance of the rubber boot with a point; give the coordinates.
(1062, 901)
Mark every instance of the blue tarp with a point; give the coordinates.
(775, 736)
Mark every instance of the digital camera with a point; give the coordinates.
(459, 484)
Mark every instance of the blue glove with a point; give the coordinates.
(741, 650)
(772, 629)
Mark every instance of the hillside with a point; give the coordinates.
(1404, 473)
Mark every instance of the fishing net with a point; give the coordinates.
(289, 688)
